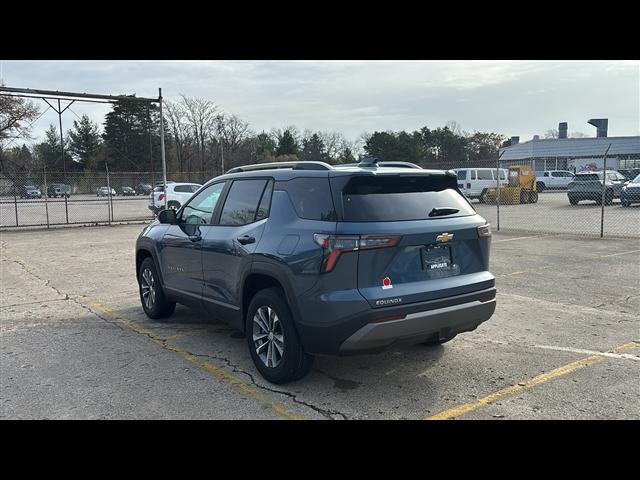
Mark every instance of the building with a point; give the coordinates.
(575, 154)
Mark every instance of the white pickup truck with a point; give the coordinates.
(553, 179)
(176, 195)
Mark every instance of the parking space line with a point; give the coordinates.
(217, 372)
(625, 356)
(517, 238)
(527, 384)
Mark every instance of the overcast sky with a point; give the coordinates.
(512, 98)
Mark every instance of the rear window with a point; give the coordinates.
(462, 175)
(186, 188)
(400, 198)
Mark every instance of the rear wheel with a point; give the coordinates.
(540, 186)
(573, 200)
(483, 196)
(625, 203)
(524, 196)
(438, 339)
(608, 197)
(173, 205)
(154, 302)
(272, 338)
(533, 197)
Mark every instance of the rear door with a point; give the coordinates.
(438, 253)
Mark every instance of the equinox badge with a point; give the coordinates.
(444, 237)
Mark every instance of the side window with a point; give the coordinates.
(265, 202)
(200, 209)
(473, 175)
(546, 174)
(462, 174)
(242, 202)
(311, 197)
(502, 175)
(485, 174)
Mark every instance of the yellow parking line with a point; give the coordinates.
(220, 374)
(526, 385)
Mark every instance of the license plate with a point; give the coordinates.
(436, 258)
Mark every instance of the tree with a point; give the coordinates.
(84, 141)
(180, 131)
(132, 136)
(346, 156)
(553, 133)
(578, 135)
(49, 150)
(202, 117)
(313, 149)
(15, 112)
(287, 144)
(265, 148)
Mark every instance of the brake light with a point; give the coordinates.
(484, 231)
(161, 197)
(335, 245)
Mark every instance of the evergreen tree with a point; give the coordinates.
(313, 149)
(265, 148)
(287, 144)
(49, 151)
(346, 156)
(84, 141)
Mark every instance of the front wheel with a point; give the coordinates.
(152, 297)
(625, 203)
(608, 197)
(273, 341)
(173, 205)
(540, 187)
(573, 200)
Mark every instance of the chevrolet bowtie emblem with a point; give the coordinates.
(444, 237)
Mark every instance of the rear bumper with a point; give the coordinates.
(419, 326)
(366, 331)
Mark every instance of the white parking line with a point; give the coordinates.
(518, 238)
(626, 356)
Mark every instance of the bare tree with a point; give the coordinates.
(578, 135)
(233, 132)
(14, 113)
(180, 130)
(201, 117)
(553, 133)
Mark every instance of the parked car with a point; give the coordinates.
(143, 189)
(127, 192)
(553, 179)
(55, 190)
(630, 192)
(176, 195)
(629, 173)
(105, 191)
(309, 259)
(29, 191)
(589, 186)
(474, 182)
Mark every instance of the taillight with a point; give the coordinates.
(161, 197)
(484, 231)
(335, 245)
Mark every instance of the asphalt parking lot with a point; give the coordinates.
(564, 343)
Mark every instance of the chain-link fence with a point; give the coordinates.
(555, 195)
(51, 198)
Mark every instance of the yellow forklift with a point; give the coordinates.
(521, 188)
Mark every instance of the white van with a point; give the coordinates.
(474, 181)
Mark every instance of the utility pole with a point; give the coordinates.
(164, 164)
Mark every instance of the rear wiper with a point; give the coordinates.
(439, 211)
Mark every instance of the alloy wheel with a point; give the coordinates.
(268, 338)
(147, 283)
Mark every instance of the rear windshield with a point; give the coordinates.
(399, 198)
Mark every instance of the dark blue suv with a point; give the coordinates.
(311, 259)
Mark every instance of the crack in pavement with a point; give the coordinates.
(236, 369)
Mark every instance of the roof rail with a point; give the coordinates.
(393, 163)
(275, 165)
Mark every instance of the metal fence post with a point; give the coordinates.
(15, 203)
(604, 191)
(498, 188)
(108, 194)
(66, 207)
(46, 196)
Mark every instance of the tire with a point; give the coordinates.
(573, 200)
(524, 196)
(173, 205)
(533, 197)
(482, 197)
(155, 303)
(625, 203)
(438, 340)
(540, 187)
(608, 197)
(270, 329)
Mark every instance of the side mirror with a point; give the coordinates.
(168, 216)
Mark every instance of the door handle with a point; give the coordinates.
(246, 239)
(195, 238)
